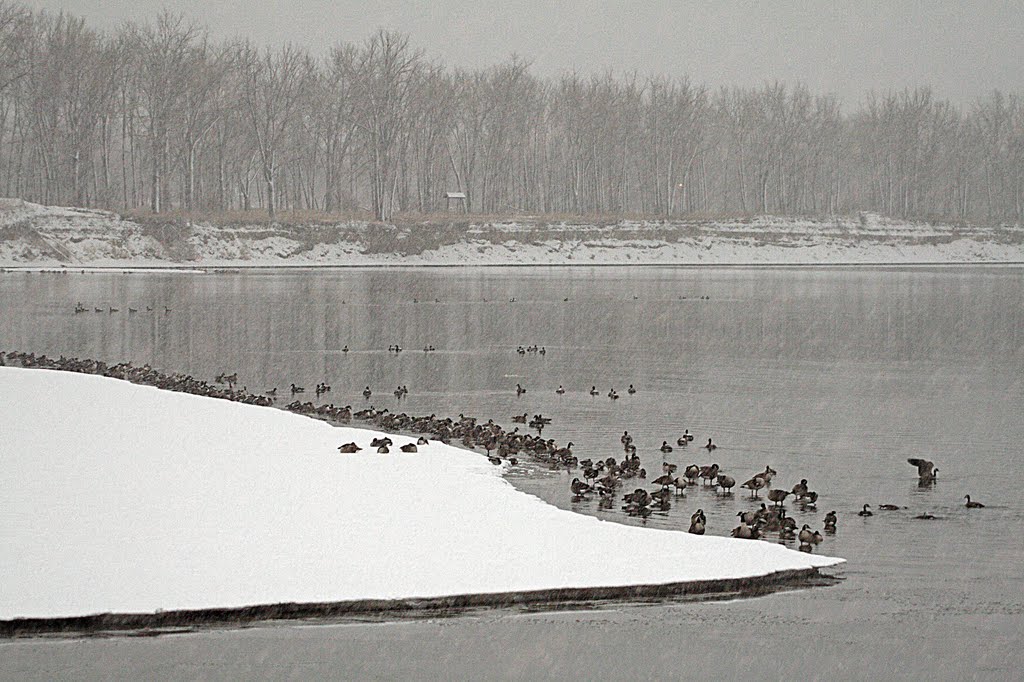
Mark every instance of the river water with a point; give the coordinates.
(833, 375)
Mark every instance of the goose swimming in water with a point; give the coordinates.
(888, 507)
(865, 511)
(631, 390)
(593, 390)
(665, 447)
(973, 505)
(560, 390)
(830, 521)
(710, 446)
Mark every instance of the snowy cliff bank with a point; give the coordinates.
(33, 235)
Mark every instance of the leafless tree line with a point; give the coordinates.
(160, 116)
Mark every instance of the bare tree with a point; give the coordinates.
(274, 84)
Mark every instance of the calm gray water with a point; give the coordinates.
(833, 375)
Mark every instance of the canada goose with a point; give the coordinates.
(422, 441)
(888, 507)
(295, 389)
(345, 349)
(383, 450)
(809, 499)
(132, 310)
(778, 496)
(593, 390)
(348, 448)
(696, 527)
(742, 531)
(726, 483)
(710, 446)
(409, 447)
(806, 536)
(665, 447)
(692, 472)
(520, 390)
(377, 442)
(748, 517)
(830, 521)
(925, 517)
(973, 505)
(800, 488)
(925, 468)
(664, 480)
(865, 511)
(668, 468)
(367, 392)
(494, 459)
(631, 390)
(680, 484)
(816, 539)
(709, 473)
(560, 390)
(755, 484)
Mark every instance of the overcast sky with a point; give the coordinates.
(963, 49)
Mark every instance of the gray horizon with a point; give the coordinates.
(962, 51)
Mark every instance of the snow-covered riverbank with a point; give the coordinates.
(125, 498)
(46, 236)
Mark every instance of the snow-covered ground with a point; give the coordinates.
(46, 236)
(125, 498)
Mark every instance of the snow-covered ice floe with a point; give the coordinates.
(129, 499)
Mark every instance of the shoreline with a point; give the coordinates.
(151, 624)
(219, 269)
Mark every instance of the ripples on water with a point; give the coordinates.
(834, 375)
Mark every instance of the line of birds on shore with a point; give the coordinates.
(110, 310)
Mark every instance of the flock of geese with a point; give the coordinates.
(604, 478)
(110, 310)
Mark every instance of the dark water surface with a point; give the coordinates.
(833, 375)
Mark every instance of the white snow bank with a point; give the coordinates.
(125, 498)
(48, 236)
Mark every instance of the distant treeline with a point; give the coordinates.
(160, 116)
